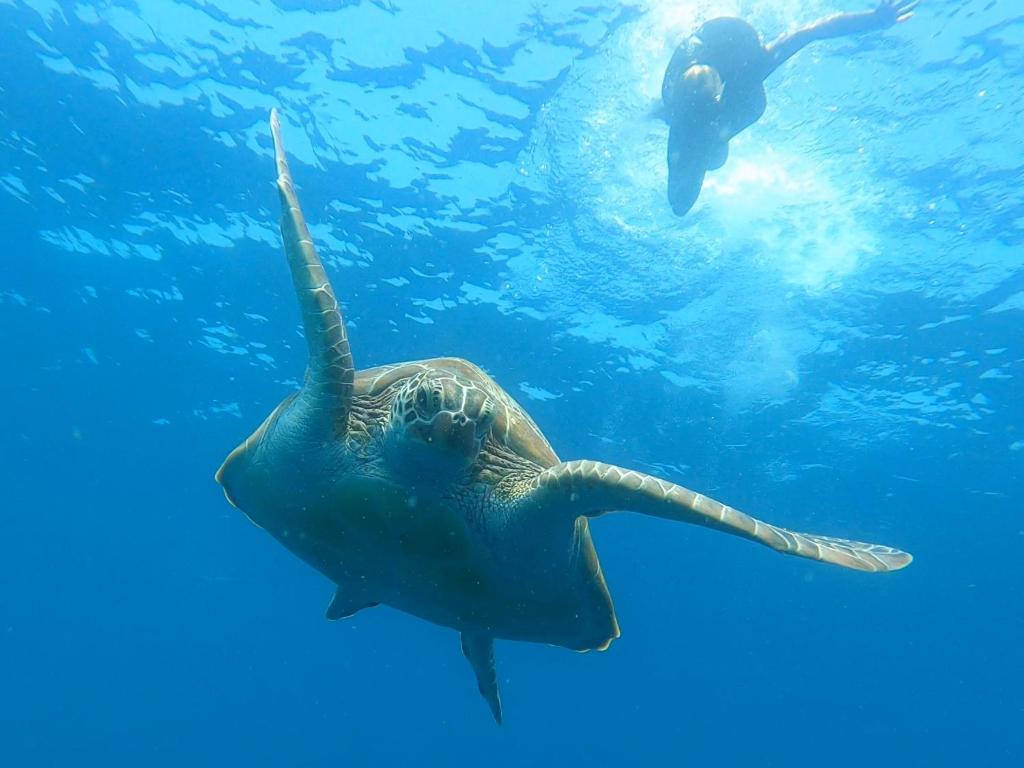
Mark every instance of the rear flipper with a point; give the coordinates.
(479, 650)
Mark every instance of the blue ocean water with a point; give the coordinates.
(831, 340)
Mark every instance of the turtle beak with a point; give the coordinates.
(456, 436)
(460, 435)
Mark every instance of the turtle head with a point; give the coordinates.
(438, 423)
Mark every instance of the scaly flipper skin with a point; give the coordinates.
(331, 372)
(591, 488)
(426, 487)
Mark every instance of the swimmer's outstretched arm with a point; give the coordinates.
(887, 13)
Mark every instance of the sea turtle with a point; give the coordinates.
(424, 486)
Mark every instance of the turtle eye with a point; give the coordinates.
(421, 398)
(487, 415)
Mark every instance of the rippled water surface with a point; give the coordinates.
(831, 339)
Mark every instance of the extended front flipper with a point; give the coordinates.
(330, 373)
(347, 602)
(479, 650)
(591, 488)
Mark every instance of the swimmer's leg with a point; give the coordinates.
(686, 164)
(717, 155)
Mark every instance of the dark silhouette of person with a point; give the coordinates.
(714, 87)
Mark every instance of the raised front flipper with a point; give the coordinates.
(327, 391)
(479, 650)
(591, 488)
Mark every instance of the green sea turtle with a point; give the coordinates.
(426, 487)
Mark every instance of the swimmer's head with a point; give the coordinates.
(702, 83)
